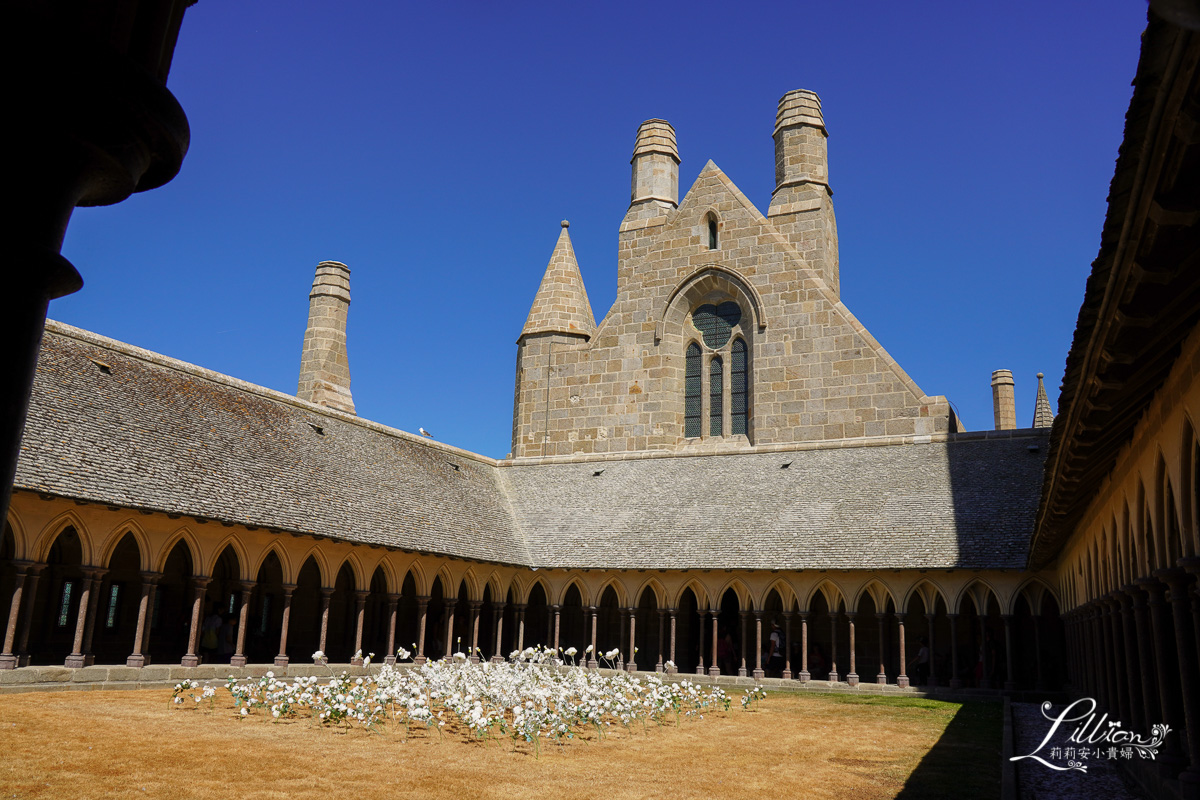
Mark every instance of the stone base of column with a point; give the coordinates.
(137, 662)
(902, 682)
(389, 660)
(8, 662)
(631, 667)
(1010, 686)
(700, 670)
(75, 661)
(833, 677)
(672, 670)
(714, 672)
(189, 661)
(659, 667)
(956, 683)
(804, 676)
(852, 678)
(759, 674)
(281, 661)
(593, 664)
(419, 660)
(356, 661)
(741, 672)
(474, 659)
(881, 679)
(497, 659)
(237, 661)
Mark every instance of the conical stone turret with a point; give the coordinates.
(561, 304)
(1043, 417)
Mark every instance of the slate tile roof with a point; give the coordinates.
(115, 424)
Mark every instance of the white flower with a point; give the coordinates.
(590, 648)
(245, 711)
(571, 651)
(317, 656)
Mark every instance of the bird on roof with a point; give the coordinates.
(425, 432)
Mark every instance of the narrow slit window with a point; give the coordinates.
(712, 234)
(739, 408)
(716, 395)
(691, 392)
(232, 603)
(114, 602)
(64, 606)
(265, 619)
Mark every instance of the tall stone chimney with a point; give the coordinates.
(655, 165)
(1004, 400)
(802, 205)
(324, 365)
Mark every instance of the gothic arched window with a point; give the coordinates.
(721, 396)
(691, 392)
(739, 409)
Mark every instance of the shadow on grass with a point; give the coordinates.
(965, 762)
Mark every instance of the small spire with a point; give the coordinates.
(1043, 417)
(561, 304)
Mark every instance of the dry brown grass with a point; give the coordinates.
(134, 744)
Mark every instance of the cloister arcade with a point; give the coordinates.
(82, 584)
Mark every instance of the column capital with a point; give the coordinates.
(94, 573)
(879, 615)
(288, 588)
(556, 607)
(632, 609)
(393, 598)
(952, 617)
(246, 586)
(150, 577)
(361, 595)
(327, 592)
(422, 602)
(475, 605)
(201, 582)
(520, 606)
(498, 605)
(1174, 577)
(1190, 563)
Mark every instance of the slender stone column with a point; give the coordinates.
(326, 596)
(1137, 711)
(520, 626)
(743, 616)
(787, 646)
(89, 658)
(557, 609)
(1037, 651)
(674, 668)
(1115, 656)
(192, 659)
(34, 574)
(1178, 582)
(714, 669)
(833, 670)
(985, 680)
(238, 659)
(1168, 709)
(852, 675)
(498, 612)
(902, 679)
(805, 676)
(658, 665)
(955, 680)
(623, 615)
(475, 606)
(593, 663)
(759, 674)
(360, 617)
(150, 618)
(881, 678)
(449, 605)
(136, 659)
(393, 606)
(631, 664)
(422, 618)
(1010, 684)
(75, 660)
(7, 659)
(933, 676)
(700, 662)
(281, 660)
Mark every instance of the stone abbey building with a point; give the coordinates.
(726, 450)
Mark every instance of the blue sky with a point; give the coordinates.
(434, 148)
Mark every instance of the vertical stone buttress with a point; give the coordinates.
(324, 364)
(802, 205)
(1004, 401)
(654, 192)
(560, 319)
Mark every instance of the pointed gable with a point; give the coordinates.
(561, 304)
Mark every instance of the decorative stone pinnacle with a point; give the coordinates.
(567, 224)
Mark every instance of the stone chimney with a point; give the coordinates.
(655, 165)
(324, 365)
(1004, 401)
(802, 205)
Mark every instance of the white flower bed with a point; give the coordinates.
(531, 697)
